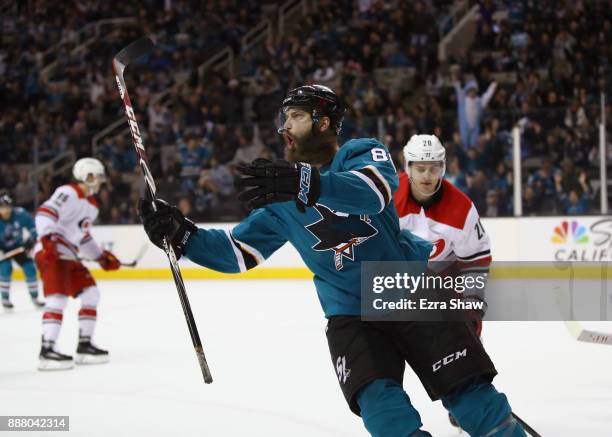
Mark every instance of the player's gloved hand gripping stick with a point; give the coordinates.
(167, 222)
(127, 55)
(108, 261)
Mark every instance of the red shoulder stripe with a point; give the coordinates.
(93, 201)
(48, 211)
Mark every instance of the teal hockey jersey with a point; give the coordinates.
(354, 221)
(12, 230)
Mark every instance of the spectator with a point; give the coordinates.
(574, 204)
(184, 205)
(247, 152)
(123, 158)
(325, 73)
(194, 157)
(552, 75)
(575, 116)
(455, 175)
(159, 118)
(545, 177)
(493, 209)
(531, 202)
(477, 190)
(470, 108)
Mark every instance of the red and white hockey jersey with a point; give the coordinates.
(450, 221)
(69, 213)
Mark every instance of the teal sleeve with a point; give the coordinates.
(248, 244)
(365, 181)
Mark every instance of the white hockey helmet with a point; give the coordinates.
(425, 148)
(89, 166)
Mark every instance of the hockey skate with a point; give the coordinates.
(87, 353)
(51, 359)
(7, 304)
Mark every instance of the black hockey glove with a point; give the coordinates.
(167, 221)
(29, 244)
(279, 181)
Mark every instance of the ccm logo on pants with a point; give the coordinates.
(449, 359)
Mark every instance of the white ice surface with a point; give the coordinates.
(266, 347)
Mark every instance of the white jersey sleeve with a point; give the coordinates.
(473, 252)
(473, 245)
(89, 248)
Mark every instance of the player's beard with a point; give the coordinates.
(311, 148)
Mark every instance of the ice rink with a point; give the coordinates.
(266, 347)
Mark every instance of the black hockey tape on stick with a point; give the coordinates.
(133, 51)
(125, 57)
(528, 429)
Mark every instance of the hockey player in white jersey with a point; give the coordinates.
(434, 209)
(63, 224)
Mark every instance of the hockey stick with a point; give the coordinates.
(138, 257)
(133, 263)
(127, 55)
(12, 253)
(574, 327)
(122, 264)
(528, 429)
(586, 335)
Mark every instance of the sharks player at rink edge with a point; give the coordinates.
(13, 222)
(334, 204)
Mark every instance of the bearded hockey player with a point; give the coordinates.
(64, 225)
(334, 204)
(15, 224)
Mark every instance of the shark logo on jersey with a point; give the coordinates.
(340, 233)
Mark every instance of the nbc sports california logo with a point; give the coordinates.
(570, 232)
(583, 242)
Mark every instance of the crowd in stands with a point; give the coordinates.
(56, 81)
(540, 66)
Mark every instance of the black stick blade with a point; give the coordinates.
(135, 50)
